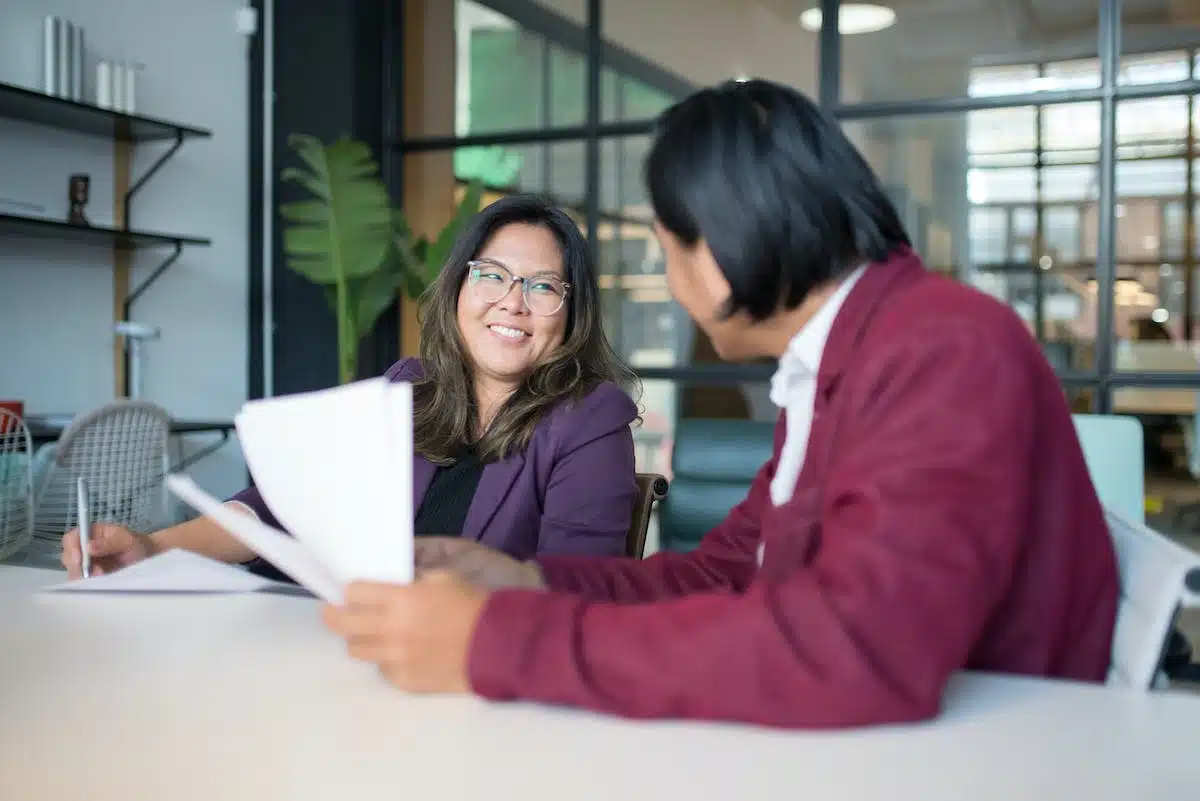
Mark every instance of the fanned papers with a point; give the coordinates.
(335, 468)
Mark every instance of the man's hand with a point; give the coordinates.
(478, 564)
(418, 635)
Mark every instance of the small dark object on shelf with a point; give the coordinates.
(78, 193)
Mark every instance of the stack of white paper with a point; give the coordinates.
(173, 571)
(335, 467)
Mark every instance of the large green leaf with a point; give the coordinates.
(373, 295)
(341, 237)
(439, 249)
(345, 232)
(421, 259)
(370, 297)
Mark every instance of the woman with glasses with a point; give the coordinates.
(522, 435)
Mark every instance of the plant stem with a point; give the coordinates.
(347, 342)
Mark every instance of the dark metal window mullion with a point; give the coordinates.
(1106, 211)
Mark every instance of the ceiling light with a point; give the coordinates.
(853, 18)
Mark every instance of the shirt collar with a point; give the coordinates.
(802, 358)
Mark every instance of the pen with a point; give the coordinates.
(85, 525)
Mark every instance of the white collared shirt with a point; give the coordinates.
(794, 388)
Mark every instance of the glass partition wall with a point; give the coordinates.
(1040, 150)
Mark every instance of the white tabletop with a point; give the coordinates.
(247, 697)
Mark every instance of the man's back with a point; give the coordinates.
(1056, 615)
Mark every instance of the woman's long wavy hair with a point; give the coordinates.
(445, 409)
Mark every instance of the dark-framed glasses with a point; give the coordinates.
(491, 282)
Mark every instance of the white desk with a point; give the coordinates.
(247, 697)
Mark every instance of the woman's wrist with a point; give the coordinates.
(155, 543)
(203, 536)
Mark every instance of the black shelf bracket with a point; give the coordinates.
(151, 278)
(140, 182)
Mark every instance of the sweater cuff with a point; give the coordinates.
(245, 506)
(506, 639)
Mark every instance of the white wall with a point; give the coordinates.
(55, 299)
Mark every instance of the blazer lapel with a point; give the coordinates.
(877, 283)
(495, 482)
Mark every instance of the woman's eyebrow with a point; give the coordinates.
(541, 270)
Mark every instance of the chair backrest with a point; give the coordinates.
(121, 452)
(16, 484)
(652, 488)
(713, 464)
(1112, 447)
(1158, 577)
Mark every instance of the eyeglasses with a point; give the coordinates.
(491, 282)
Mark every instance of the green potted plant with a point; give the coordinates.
(349, 239)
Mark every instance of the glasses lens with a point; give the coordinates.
(491, 281)
(545, 295)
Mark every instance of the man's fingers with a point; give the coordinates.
(429, 552)
(364, 638)
(371, 596)
(367, 650)
(352, 623)
(439, 551)
(438, 576)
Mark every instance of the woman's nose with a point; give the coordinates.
(514, 300)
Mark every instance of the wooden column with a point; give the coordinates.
(429, 102)
(122, 166)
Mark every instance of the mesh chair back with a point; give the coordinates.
(16, 484)
(120, 451)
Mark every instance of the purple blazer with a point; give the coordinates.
(571, 491)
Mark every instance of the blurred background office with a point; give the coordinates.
(1041, 150)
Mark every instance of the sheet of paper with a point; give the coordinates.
(335, 467)
(173, 571)
(279, 549)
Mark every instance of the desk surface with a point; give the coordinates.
(247, 697)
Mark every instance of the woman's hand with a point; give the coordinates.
(111, 548)
(418, 635)
(478, 564)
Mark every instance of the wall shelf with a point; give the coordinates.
(37, 228)
(28, 105)
(125, 131)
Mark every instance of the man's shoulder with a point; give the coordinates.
(937, 308)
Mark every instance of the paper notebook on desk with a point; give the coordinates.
(174, 571)
(335, 467)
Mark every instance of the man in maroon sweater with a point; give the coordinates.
(927, 508)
